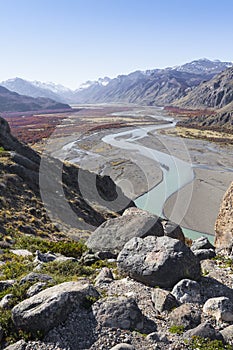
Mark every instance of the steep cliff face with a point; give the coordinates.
(224, 224)
(215, 93)
(35, 189)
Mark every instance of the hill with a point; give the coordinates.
(21, 171)
(216, 94)
(13, 102)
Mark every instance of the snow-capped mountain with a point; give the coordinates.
(100, 82)
(56, 92)
(27, 88)
(203, 65)
(56, 88)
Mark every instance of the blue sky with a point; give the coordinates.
(71, 41)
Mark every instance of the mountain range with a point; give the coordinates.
(200, 84)
(150, 87)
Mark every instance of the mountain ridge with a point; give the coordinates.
(14, 102)
(124, 88)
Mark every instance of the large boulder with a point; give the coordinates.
(185, 315)
(203, 330)
(158, 261)
(221, 308)
(224, 224)
(114, 233)
(52, 306)
(118, 312)
(187, 291)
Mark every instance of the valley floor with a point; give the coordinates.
(79, 139)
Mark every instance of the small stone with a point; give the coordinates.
(221, 308)
(187, 291)
(105, 276)
(6, 284)
(1, 333)
(157, 337)
(163, 300)
(201, 243)
(35, 289)
(173, 230)
(21, 252)
(123, 346)
(5, 302)
(204, 254)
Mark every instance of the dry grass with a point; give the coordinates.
(209, 135)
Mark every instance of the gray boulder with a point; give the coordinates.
(204, 254)
(221, 308)
(203, 330)
(52, 306)
(187, 291)
(158, 261)
(20, 345)
(113, 234)
(163, 300)
(227, 334)
(118, 312)
(201, 243)
(185, 315)
(173, 230)
(21, 252)
(104, 277)
(203, 249)
(49, 256)
(36, 277)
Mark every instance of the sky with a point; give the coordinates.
(72, 41)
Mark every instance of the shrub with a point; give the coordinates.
(176, 329)
(207, 344)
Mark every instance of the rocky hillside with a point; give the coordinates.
(224, 224)
(13, 102)
(216, 93)
(135, 284)
(157, 88)
(21, 203)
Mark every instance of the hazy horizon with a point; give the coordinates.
(70, 42)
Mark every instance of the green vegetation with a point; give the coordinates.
(223, 261)
(176, 329)
(207, 344)
(66, 247)
(2, 149)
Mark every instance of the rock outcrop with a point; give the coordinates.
(224, 224)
